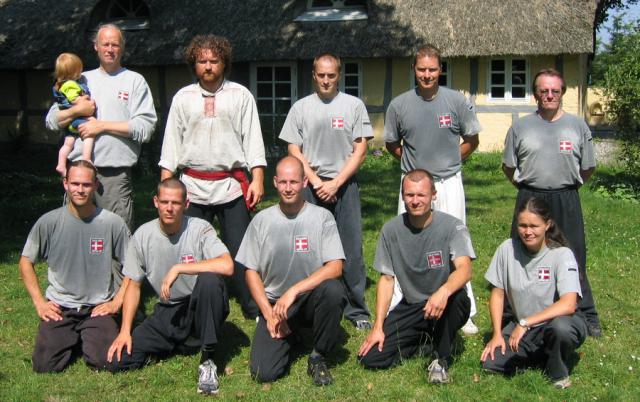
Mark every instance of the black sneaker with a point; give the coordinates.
(317, 369)
(595, 330)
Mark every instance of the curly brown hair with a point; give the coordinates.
(219, 46)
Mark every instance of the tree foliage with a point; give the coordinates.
(606, 6)
(619, 66)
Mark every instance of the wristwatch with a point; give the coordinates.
(524, 324)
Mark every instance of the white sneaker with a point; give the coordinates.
(562, 383)
(437, 374)
(469, 328)
(207, 378)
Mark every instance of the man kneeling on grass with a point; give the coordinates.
(294, 258)
(429, 253)
(182, 258)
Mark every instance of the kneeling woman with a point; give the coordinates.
(538, 275)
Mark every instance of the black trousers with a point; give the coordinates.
(194, 323)
(566, 211)
(407, 332)
(321, 309)
(57, 340)
(347, 213)
(234, 219)
(549, 345)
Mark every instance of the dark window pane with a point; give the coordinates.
(263, 73)
(354, 3)
(518, 92)
(283, 90)
(351, 81)
(351, 68)
(283, 73)
(283, 106)
(265, 106)
(497, 92)
(518, 65)
(352, 91)
(497, 79)
(518, 79)
(445, 66)
(442, 80)
(265, 91)
(497, 65)
(266, 124)
(322, 3)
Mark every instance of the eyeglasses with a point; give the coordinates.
(554, 92)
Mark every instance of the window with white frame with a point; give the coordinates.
(351, 78)
(274, 87)
(508, 79)
(334, 10)
(445, 75)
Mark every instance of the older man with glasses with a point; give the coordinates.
(549, 155)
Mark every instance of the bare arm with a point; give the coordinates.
(468, 145)
(46, 310)
(82, 107)
(277, 328)
(330, 270)
(496, 308)
(221, 265)
(256, 188)
(131, 301)
(509, 172)
(394, 148)
(384, 294)
(586, 174)
(457, 279)
(327, 190)
(94, 127)
(165, 174)
(296, 150)
(113, 305)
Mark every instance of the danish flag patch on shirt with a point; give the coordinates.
(337, 123)
(444, 120)
(123, 95)
(187, 259)
(566, 147)
(434, 259)
(96, 246)
(301, 244)
(544, 274)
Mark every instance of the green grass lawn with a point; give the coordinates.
(607, 368)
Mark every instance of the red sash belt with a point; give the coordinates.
(238, 174)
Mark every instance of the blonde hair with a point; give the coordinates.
(68, 67)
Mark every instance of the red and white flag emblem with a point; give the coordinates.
(444, 120)
(187, 259)
(337, 123)
(434, 259)
(301, 244)
(566, 146)
(123, 95)
(544, 274)
(96, 246)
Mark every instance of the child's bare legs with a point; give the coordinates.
(87, 149)
(64, 152)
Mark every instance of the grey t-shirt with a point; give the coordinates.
(421, 259)
(79, 253)
(152, 253)
(285, 250)
(326, 130)
(430, 130)
(549, 155)
(533, 282)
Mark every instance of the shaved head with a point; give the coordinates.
(418, 175)
(288, 162)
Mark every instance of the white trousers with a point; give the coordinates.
(449, 199)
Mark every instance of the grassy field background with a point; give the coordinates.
(607, 368)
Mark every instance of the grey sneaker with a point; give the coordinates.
(207, 378)
(437, 373)
(562, 383)
(362, 325)
(469, 328)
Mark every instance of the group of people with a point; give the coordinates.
(299, 263)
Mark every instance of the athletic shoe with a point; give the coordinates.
(595, 331)
(207, 378)
(469, 328)
(317, 369)
(362, 325)
(437, 373)
(562, 383)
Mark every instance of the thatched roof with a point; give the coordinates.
(34, 32)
